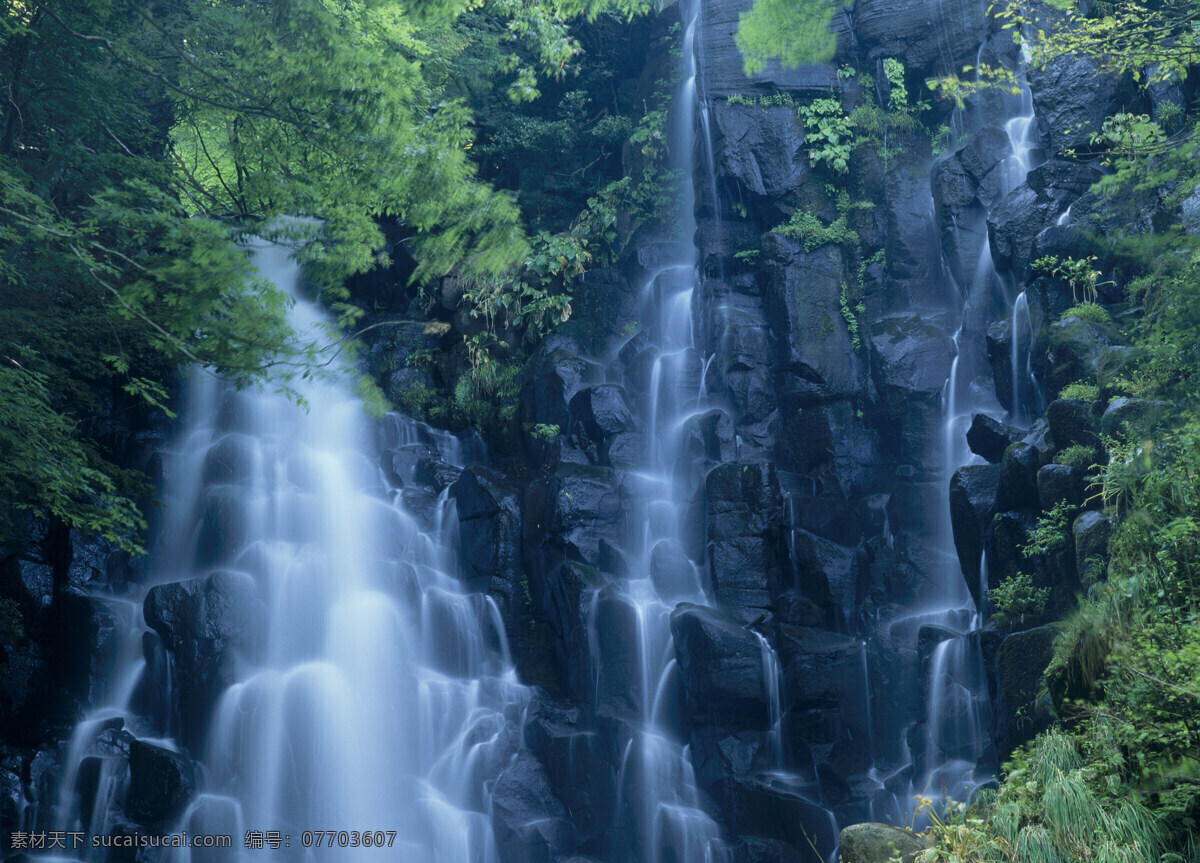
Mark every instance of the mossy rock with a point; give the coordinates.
(879, 843)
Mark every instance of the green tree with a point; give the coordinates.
(141, 142)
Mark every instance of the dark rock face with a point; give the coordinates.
(1074, 98)
(489, 529)
(160, 782)
(972, 506)
(1018, 487)
(1020, 662)
(1092, 532)
(530, 822)
(1071, 423)
(989, 438)
(743, 517)
(929, 36)
(721, 666)
(208, 623)
(1060, 483)
(763, 151)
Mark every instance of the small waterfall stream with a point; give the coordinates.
(365, 690)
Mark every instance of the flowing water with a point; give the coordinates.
(367, 691)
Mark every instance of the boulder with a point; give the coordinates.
(1074, 98)
(208, 624)
(1071, 422)
(989, 438)
(930, 37)
(601, 411)
(160, 782)
(1057, 483)
(721, 665)
(828, 574)
(910, 362)
(1092, 531)
(1020, 663)
(531, 824)
(1017, 488)
(762, 148)
(489, 536)
(802, 296)
(1076, 347)
(1126, 412)
(558, 373)
(879, 843)
(972, 507)
(1006, 535)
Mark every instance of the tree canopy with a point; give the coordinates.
(141, 141)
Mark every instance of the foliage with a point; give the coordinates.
(1016, 597)
(543, 431)
(807, 229)
(773, 100)
(827, 129)
(795, 33)
(1078, 273)
(1078, 455)
(1050, 533)
(1080, 390)
(1092, 312)
(141, 145)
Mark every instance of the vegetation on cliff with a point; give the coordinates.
(141, 143)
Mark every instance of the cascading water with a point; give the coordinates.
(660, 813)
(956, 757)
(366, 691)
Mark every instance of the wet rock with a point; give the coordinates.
(1013, 226)
(822, 673)
(530, 823)
(762, 148)
(828, 574)
(1123, 414)
(563, 594)
(802, 293)
(1006, 535)
(1059, 483)
(721, 666)
(28, 583)
(999, 353)
(912, 243)
(673, 574)
(558, 373)
(926, 35)
(601, 411)
(724, 69)
(833, 448)
(714, 436)
(578, 507)
(1071, 422)
(989, 438)
(910, 361)
(1074, 98)
(1020, 663)
(744, 520)
(1092, 531)
(760, 808)
(1018, 487)
(879, 843)
(489, 532)
(207, 623)
(1076, 346)
(87, 644)
(12, 801)
(160, 782)
(972, 507)
(436, 473)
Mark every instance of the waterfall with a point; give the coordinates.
(366, 693)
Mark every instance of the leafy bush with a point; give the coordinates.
(1080, 390)
(807, 228)
(1093, 312)
(1078, 455)
(1016, 597)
